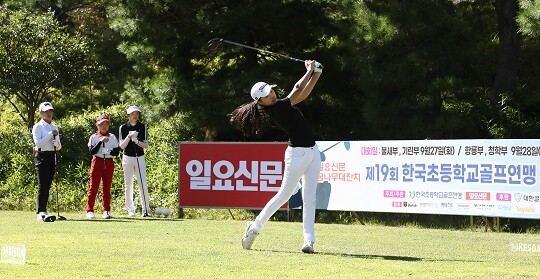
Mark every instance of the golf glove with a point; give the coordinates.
(318, 67)
(106, 151)
(135, 140)
(55, 143)
(134, 134)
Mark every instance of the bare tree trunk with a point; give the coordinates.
(24, 119)
(210, 134)
(31, 114)
(506, 75)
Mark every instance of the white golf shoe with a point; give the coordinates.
(41, 215)
(249, 235)
(45, 217)
(308, 247)
(131, 214)
(90, 215)
(106, 215)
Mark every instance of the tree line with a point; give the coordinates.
(393, 69)
(397, 69)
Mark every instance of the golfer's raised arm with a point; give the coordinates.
(306, 83)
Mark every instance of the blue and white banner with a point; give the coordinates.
(457, 177)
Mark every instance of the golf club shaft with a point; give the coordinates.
(56, 186)
(141, 185)
(262, 50)
(144, 212)
(331, 146)
(55, 163)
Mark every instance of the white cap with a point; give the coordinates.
(261, 90)
(133, 108)
(45, 106)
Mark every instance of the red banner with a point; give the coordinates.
(229, 175)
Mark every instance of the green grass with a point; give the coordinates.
(172, 248)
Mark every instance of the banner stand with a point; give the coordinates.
(232, 216)
(180, 212)
(359, 217)
(288, 214)
(496, 223)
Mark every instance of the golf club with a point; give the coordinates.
(104, 174)
(145, 213)
(60, 217)
(216, 42)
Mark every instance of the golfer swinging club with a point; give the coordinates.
(47, 142)
(133, 140)
(302, 157)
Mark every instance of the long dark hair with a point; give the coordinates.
(251, 120)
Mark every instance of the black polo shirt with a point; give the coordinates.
(291, 120)
(132, 149)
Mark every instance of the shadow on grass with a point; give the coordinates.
(124, 219)
(373, 257)
(378, 257)
(395, 258)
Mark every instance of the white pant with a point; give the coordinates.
(135, 166)
(300, 163)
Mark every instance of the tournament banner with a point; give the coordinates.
(229, 175)
(497, 178)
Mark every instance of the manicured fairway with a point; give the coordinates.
(172, 248)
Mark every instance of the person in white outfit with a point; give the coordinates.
(46, 143)
(133, 137)
(302, 156)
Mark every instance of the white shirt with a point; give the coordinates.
(43, 137)
(105, 148)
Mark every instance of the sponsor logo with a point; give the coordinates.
(504, 207)
(525, 209)
(482, 206)
(429, 204)
(463, 205)
(397, 204)
(530, 198)
(409, 204)
(477, 196)
(447, 204)
(517, 196)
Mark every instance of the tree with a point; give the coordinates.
(87, 18)
(529, 18)
(424, 67)
(38, 59)
(509, 44)
(175, 72)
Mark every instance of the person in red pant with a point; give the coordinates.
(103, 146)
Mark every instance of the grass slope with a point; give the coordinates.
(172, 248)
